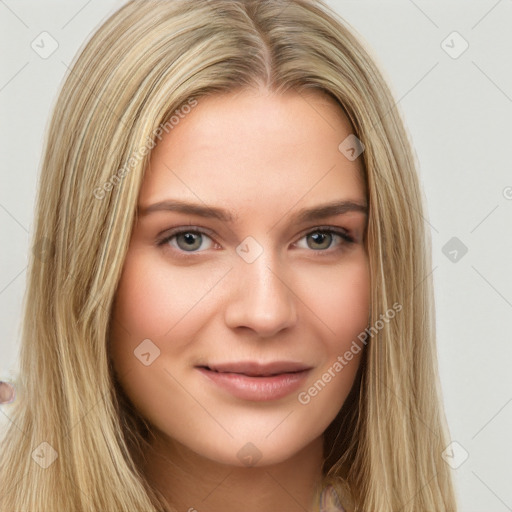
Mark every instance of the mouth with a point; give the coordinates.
(256, 382)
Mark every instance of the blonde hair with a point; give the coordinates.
(144, 64)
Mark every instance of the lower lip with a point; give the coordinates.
(258, 389)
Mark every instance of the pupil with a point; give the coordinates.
(321, 236)
(191, 239)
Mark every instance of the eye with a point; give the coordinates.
(192, 239)
(322, 238)
(186, 240)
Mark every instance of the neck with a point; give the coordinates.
(192, 483)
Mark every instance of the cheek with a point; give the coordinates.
(341, 300)
(154, 298)
(151, 299)
(342, 304)
(161, 303)
(140, 313)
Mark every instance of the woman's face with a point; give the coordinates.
(250, 286)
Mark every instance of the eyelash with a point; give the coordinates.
(346, 239)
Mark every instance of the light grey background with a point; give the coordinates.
(458, 111)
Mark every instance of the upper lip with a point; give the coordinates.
(255, 369)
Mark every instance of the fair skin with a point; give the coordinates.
(263, 157)
(6, 392)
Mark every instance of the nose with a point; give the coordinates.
(260, 298)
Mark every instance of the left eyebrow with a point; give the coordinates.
(304, 215)
(329, 210)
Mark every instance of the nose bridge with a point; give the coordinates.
(260, 297)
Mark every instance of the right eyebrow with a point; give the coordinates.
(175, 205)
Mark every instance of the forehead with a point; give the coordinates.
(255, 150)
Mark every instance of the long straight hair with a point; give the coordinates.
(147, 64)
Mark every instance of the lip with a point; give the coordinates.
(255, 369)
(255, 381)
